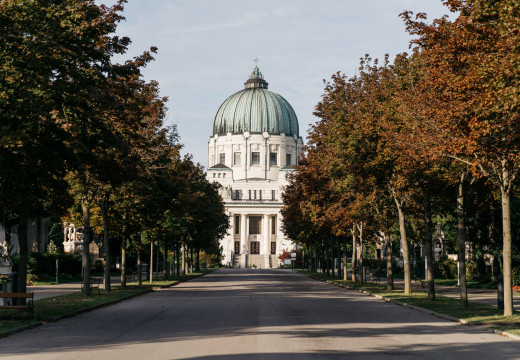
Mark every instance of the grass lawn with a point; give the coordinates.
(475, 313)
(56, 307)
(453, 282)
(469, 284)
(49, 280)
(174, 279)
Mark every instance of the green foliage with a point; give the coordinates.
(471, 271)
(98, 266)
(208, 260)
(448, 269)
(55, 235)
(381, 265)
(45, 264)
(516, 271)
(482, 273)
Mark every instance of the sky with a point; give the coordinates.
(207, 48)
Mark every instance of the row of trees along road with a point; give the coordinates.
(435, 131)
(80, 131)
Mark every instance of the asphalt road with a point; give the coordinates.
(256, 314)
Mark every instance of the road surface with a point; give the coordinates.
(256, 314)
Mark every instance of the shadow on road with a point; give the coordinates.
(268, 308)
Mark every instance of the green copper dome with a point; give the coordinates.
(256, 110)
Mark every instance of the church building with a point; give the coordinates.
(254, 145)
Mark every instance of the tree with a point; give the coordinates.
(471, 67)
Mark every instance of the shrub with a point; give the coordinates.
(381, 264)
(471, 271)
(46, 263)
(481, 268)
(516, 271)
(448, 269)
(31, 279)
(99, 266)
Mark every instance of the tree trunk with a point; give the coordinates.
(404, 245)
(428, 245)
(327, 257)
(506, 236)
(174, 256)
(361, 270)
(345, 259)
(157, 261)
(139, 266)
(106, 243)
(178, 251)
(191, 260)
(354, 255)
(151, 262)
(197, 263)
(87, 237)
(23, 247)
(123, 263)
(389, 275)
(338, 264)
(165, 261)
(461, 227)
(184, 262)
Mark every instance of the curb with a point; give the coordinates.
(91, 308)
(430, 312)
(94, 307)
(19, 329)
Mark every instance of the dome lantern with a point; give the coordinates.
(256, 79)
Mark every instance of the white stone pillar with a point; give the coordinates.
(265, 246)
(243, 233)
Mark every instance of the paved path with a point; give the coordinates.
(484, 296)
(256, 314)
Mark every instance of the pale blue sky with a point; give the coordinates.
(207, 47)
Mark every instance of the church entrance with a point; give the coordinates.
(255, 247)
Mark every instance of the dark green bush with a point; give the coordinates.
(448, 269)
(46, 263)
(481, 268)
(99, 266)
(381, 264)
(471, 271)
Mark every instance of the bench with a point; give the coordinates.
(375, 278)
(28, 306)
(132, 277)
(94, 284)
(419, 283)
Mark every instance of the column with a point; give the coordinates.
(265, 230)
(243, 233)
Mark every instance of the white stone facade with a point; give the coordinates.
(255, 143)
(252, 170)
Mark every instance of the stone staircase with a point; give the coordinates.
(273, 261)
(256, 259)
(236, 261)
(261, 261)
